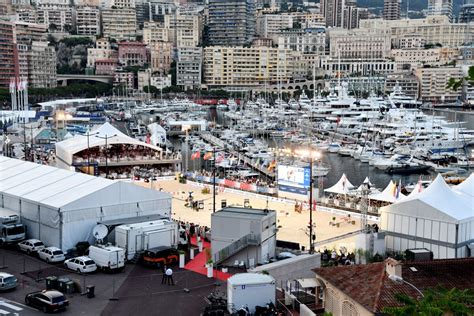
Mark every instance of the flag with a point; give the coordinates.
(220, 157)
(420, 187)
(272, 165)
(207, 155)
(338, 120)
(148, 138)
(19, 85)
(399, 188)
(314, 205)
(196, 155)
(12, 85)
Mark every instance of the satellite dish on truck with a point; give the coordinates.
(100, 231)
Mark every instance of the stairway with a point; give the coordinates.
(236, 246)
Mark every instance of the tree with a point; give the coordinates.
(436, 302)
(456, 84)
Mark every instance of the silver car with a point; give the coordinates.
(7, 281)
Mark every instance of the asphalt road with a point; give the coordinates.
(12, 308)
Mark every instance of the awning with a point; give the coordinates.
(308, 283)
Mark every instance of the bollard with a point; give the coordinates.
(191, 253)
(113, 298)
(200, 246)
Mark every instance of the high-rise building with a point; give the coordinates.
(340, 13)
(185, 29)
(87, 20)
(231, 22)
(119, 23)
(188, 67)
(391, 9)
(41, 65)
(466, 12)
(8, 55)
(441, 7)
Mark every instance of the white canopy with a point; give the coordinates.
(67, 148)
(389, 194)
(467, 186)
(440, 196)
(343, 186)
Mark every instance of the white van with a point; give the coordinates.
(107, 257)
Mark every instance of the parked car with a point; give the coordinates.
(160, 256)
(47, 301)
(7, 281)
(81, 264)
(31, 245)
(51, 254)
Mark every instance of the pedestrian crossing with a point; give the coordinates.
(8, 308)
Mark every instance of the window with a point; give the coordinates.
(348, 309)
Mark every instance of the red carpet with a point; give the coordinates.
(198, 263)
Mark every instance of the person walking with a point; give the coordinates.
(165, 276)
(169, 276)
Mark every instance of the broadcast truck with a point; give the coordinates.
(11, 229)
(138, 237)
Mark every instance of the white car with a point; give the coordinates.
(31, 245)
(7, 281)
(51, 254)
(81, 264)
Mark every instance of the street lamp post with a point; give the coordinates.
(106, 137)
(88, 150)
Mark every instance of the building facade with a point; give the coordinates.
(161, 54)
(270, 25)
(391, 9)
(189, 67)
(87, 20)
(246, 68)
(132, 54)
(8, 54)
(186, 30)
(155, 32)
(434, 84)
(441, 7)
(307, 41)
(119, 24)
(42, 65)
(102, 50)
(231, 22)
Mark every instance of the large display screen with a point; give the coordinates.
(293, 176)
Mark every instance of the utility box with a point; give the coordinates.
(251, 290)
(420, 254)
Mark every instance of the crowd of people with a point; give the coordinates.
(194, 230)
(117, 152)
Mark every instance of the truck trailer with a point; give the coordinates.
(136, 238)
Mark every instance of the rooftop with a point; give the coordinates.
(243, 212)
(371, 286)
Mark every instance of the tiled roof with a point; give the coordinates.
(370, 286)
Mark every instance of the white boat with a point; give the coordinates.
(334, 147)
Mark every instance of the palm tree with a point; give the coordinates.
(436, 302)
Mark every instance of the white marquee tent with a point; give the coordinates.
(61, 207)
(66, 149)
(438, 218)
(343, 186)
(158, 134)
(389, 194)
(467, 186)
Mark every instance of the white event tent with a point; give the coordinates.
(389, 194)
(343, 186)
(66, 149)
(158, 134)
(61, 207)
(439, 218)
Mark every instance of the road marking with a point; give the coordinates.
(3, 312)
(15, 308)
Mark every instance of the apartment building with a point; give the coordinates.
(185, 30)
(161, 54)
(433, 29)
(246, 68)
(409, 59)
(101, 51)
(8, 54)
(27, 32)
(155, 32)
(58, 18)
(270, 25)
(408, 83)
(189, 67)
(87, 20)
(434, 82)
(441, 7)
(231, 22)
(391, 9)
(307, 41)
(41, 65)
(124, 79)
(120, 24)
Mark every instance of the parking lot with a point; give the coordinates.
(135, 290)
